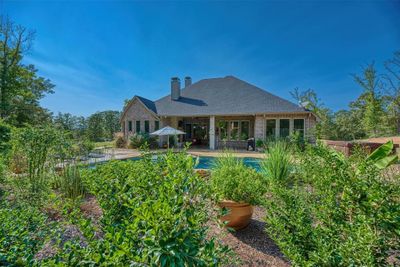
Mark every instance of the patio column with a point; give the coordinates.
(259, 127)
(212, 132)
(277, 127)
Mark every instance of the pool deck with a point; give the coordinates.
(122, 153)
(217, 153)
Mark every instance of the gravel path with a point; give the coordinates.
(252, 244)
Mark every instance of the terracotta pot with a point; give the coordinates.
(203, 173)
(239, 214)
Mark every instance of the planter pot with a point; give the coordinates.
(203, 173)
(239, 214)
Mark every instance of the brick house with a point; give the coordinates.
(218, 113)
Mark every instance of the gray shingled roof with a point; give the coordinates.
(222, 96)
(148, 103)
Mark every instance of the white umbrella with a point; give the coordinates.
(167, 131)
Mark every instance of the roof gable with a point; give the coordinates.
(146, 103)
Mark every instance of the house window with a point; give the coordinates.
(146, 126)
(298, 126)
(284, 128)
(138, 126)
(270, 129)
(130, 126)
(244, 130)
(156, 125)
(234, 127)
(223, 130)
(233, 130)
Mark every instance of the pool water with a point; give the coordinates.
(207, 163)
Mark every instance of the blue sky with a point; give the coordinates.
(100, 53)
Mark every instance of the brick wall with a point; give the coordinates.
(138, 112)
(309, 124)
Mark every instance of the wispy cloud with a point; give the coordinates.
(86, 89)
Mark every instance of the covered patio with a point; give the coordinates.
(214, 132)
(220, 132)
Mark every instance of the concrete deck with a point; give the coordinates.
(122, 153)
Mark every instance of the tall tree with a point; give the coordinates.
(96, 129)
(348, 125)
(75, 125)
(392, 78)
(370, 102)
(103, 125)
(111, 123)
(20, 86)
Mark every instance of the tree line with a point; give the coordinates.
(375, 113)
(100, 126)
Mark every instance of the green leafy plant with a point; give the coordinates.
(383, 156)
(137, 140)
(23, 232)
(5, 138)
(35, 145)
(3, 169)
(336, 211)
(71, 184)
(84, 147)
(120, 142)
(260, 143)
(277, 162)
(155, 213)
(232, 180)
(296, 141)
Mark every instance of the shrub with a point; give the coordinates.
(232, 180)
(296, 141)
(33, 147)
(259, 143)
(277, 162)
(85, 146)
(71, 184)
(5, 138)
(336, 212)
(138, 140)
(154, 214)
(3, 169)
(120, 142)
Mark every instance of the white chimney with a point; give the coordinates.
(175, 88)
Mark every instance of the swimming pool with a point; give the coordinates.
(207, 162)
(204, 162)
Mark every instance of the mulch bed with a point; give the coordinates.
(251, 244)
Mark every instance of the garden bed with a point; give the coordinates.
(252, 245)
